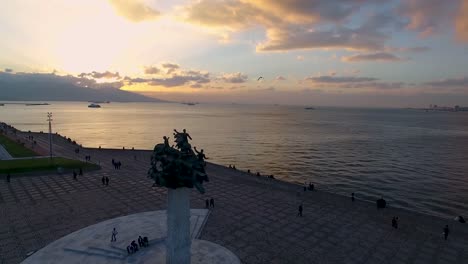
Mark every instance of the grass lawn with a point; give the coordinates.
(42, 164)
(16, 150)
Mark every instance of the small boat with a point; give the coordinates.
(309, 108)
(94, 106)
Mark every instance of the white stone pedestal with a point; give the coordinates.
(92, 244)
(178, 240)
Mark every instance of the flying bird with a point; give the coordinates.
(259, 78)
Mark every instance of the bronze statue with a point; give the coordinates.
(200, 155)
(166, 142)
(181, 140)
(176, 168)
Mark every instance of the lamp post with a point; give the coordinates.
(49, 118)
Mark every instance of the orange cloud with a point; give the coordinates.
(428, 16)
(462, 22)
(297, 24)
(240, 14)
(232, 15)
(134, 10)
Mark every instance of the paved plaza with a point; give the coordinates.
(254, 217)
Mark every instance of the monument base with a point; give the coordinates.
(92, 244)
(178, 226)
(202, 252)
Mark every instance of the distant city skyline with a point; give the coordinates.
(337, 52)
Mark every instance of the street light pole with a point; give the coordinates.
(49, 118)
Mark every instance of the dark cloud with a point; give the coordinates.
(196, 85)
(242, 14)
(298, 24)
(415, 49)
(8, 70)
(212, 87)
(183, 78)
(134, 10)
(269, 89)
(99, 75)
(370, 35)
(389, 85)
(151, 70)
(450, 83)
(135, 80)
(171, 75)
(312, 90)
(376, 85)
(236, 87)
(340, 79)
(170, 67)
(234, 77)
(378, 56)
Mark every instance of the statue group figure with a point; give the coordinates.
(181, 167)
(181, 140)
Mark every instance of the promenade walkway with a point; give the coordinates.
(256, 218)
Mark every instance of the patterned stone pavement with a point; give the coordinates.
(256, 218)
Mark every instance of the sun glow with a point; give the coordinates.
(94, 43)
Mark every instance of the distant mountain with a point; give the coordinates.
(51, 87)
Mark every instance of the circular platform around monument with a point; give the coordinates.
(92, 244)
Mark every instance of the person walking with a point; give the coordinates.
(103, 180)
(107, 181)
(74, 175)
(212, 203)
(114, 234)
(207, 203)
(352, 197)
(446, 231)
(394, 222)
(300, 210)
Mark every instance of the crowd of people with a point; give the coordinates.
(117, 164)
(133, 247)
(209, 203)
(271, 176)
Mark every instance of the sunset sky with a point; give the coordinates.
(336, 52)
